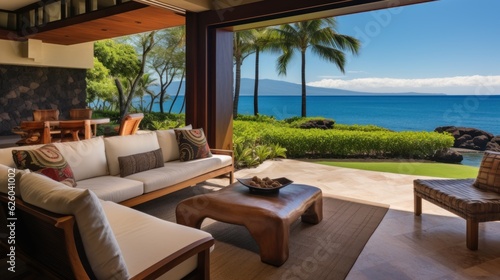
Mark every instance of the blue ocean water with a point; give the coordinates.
(398, 113)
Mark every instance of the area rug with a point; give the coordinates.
(327, 250)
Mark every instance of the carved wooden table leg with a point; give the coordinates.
(267, 217)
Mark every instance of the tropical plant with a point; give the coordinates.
(143, 88)
(321, 37)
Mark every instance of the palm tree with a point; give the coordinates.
(263, 39)
(321, 36)
(242, 48)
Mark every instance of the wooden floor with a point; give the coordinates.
(403, 246)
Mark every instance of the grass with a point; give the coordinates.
(442, 170)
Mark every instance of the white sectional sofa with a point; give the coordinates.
(95, 166)
(87, 232)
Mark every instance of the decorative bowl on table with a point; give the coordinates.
(264, 185)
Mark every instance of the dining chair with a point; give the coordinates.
(80, 113)
(130, 124)
(36, 132)
(46, 115)
(71, 130)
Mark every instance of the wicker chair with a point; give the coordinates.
(475, 200)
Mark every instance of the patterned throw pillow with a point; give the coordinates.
(140, 162)
(192, 144)
(488, 177)
(46, 160)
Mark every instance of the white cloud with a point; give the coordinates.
(450, 85)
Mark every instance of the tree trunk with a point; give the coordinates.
(177, 94)
(256, 84)
(237, 88)
(303, 83)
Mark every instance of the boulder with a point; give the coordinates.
(321, 124)
(448, 156)
(469, 138)
(493, 146)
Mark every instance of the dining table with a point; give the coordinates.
(93, 123)
(25, 135)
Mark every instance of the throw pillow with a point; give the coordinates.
(488, 177)
(140, 162)
(192, 144)
(46, 160)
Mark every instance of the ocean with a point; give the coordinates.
(398, 113)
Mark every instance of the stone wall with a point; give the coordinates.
(25, 88)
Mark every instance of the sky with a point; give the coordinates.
(445, 46)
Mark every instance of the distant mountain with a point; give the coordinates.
(274, 87)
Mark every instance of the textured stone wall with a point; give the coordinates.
(25, 88)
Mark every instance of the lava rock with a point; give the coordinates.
(469, 138)
(448, 156)
(321, 124)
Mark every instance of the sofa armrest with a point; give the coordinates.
(222, 152)
(48, 240)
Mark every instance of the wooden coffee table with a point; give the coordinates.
(266, 216)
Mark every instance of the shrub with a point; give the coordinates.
(368, 142)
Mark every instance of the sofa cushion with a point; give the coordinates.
(168, 143)
(46, 160)
(143, 239)
(87, 157)
(101, 247)
(113, 188)
(488, 177)
(6, 154)
(140, 162)
(176, 171)
(118, 146)
(192, 144)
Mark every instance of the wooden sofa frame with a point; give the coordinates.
(227, 170)
(52, 242)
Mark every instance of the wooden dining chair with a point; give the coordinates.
(36, 132)
(46, 115)
(72, 130)
(130, 124)
(80, 113)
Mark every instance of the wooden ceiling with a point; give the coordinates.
(100, 25)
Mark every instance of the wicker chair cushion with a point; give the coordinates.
(460, 196)
(488, 177)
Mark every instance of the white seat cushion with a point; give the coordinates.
(145, 240)
(112, 188)
(118, 146)
(175, 172)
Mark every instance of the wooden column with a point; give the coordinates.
(209, 80)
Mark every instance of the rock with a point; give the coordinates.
(468, 138)
(462, 140)
(321, 124)
(448, 156)
(481, 141)
(493, 146)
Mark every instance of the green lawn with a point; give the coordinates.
(411, 168)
